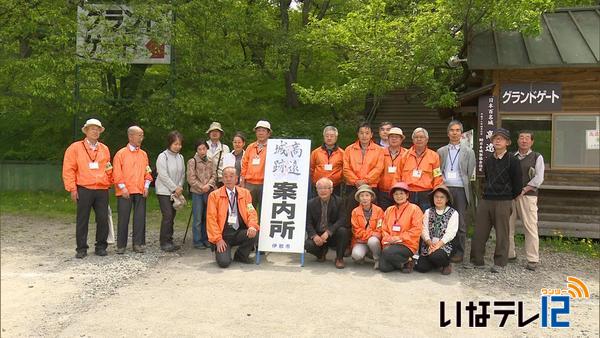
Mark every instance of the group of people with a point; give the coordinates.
(402, 208)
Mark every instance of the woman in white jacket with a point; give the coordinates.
(169, 182)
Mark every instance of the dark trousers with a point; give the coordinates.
(438, 259)
(239, 238)
(88, 199)
(497, 214)
(168, 219)
(420, 198)
(124, 205)
(256, 191)
(340, 239)
(394, 257)
(459, 202)
(384, 200)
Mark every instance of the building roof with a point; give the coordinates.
(570, 37)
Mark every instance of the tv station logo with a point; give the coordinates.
(555, 308)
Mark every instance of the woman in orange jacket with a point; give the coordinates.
(402, 226)
(366, 220)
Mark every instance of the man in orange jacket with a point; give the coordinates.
(363, 164)
(392, 160)
(253, 163)
(132, 176)
(328, 160)
(87, 175)
(231, 220)
(421, 169)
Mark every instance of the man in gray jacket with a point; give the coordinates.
(457, 163)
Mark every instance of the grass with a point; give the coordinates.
(58, 205)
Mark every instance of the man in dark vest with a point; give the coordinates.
(525, 205)
(502, 185)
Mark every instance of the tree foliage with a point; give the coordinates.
(299, 64)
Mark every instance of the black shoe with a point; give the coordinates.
(138, 249)
(246, 260)
(81, 254)
(169, 247)
(100, 252)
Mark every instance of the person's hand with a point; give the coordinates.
(318, 241)
(221, 246)
(251, 233)
(325, 236)
(395, 240)
(360, 182)
(125, 193)
(526, 189)
(178, 191)
(145, 193)
(74, 196)
(206, 188)
(242, 182)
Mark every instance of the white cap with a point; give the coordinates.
(92, 122)
(396, 131)
(228, 160)
(263, 124)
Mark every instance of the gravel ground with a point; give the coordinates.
(47, 292)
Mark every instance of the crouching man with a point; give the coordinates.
(231, 220)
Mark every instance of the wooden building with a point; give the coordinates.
(561, 69)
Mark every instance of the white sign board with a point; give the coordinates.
(285, 193)
(110, 32)
(467, 139)
(592, 139)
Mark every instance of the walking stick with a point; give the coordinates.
(188, 226)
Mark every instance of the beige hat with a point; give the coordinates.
(263, 124)
(92, 122)
(397, 131)
(215, 126)
(364, 188)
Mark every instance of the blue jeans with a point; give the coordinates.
(199, 212)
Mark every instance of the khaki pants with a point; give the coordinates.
(526, 208)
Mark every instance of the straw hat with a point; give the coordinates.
(92, 122)
(364, 188)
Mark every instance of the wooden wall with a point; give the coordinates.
(580, 86)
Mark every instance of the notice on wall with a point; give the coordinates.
(592, 139)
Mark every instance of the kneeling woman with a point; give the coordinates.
(401, 230)
(367, 220)
(440, 224)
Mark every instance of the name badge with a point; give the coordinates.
(256, 161)
(391, 170)
(94, 165)
(232, 219)
(396, 227)
(328, 167)
(416, 173)
(452, 175)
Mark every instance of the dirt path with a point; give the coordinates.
(46, 292)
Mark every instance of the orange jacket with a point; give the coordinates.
(76, 167)
(409, 217)
(358, 168)
(429, 166)
(319, 158)
(389, 178)
(360, 230)
(218, 208)
(251, 173)
(132, 169)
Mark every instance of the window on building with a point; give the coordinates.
(576, 141)
(540, 125)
